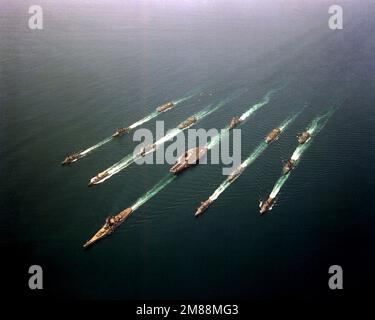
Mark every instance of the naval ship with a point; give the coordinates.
(98, 178)
(187, 123)
(188, 158)
(273, 135)
(120, 131)
(235, 174)
(234, 122)
(146, 149)
(289, 165)
(203, 207)
(266, 205)
(72, 158)
(111, 223)
(164, 107)
(303, 137)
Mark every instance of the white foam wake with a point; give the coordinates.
(314, 128)
(153, 191)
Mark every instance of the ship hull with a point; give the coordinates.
(106, 231)
(273, 136)
(120, 133)
(266, 205)
(203, 207)
(165, 107)
(288, 166)
(101, 177)
(67, 162)
(187, 123)
(188, 159)
(303, 137)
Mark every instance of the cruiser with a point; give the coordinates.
(266, 205)
(303, 137)
(235, 174)
(111, 223)
(188, 158)
(165, 107)
(289, 165)
(120, 131)
(273, 135)
(203, 207)
(72, 158)
(234, 122)
(99, 177)
(187, 123)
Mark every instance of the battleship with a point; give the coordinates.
(234, 122)
(187, 123)
(111, 223)
(120, 131)
(164, 107)
(235, 174)
(289, 165)
(203, 207)
(273, 135)
(72, 158)
(266, 205)
(188, 158)
(303, 137)
(98, 178)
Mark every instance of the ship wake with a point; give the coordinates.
(250, 159)
(314, 128)
(153, 191)
(136, 124)
(131, 158)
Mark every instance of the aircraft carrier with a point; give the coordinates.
(188, 158)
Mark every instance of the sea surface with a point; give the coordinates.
(100, 65)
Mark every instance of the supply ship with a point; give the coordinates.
(303, 137)
(273, 135)
(187, 123)
(164, 107)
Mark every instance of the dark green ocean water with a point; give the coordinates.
(96, 67)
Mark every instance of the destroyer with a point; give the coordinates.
(289, 165)
(187, 123)
(99, 177)
(273, 135)
(72, 158)
(120, 131)
(266, 205)
(303, 137)
(203, 207)
(234, 122)
(111, 223)
(165, 107)
(188, 158)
